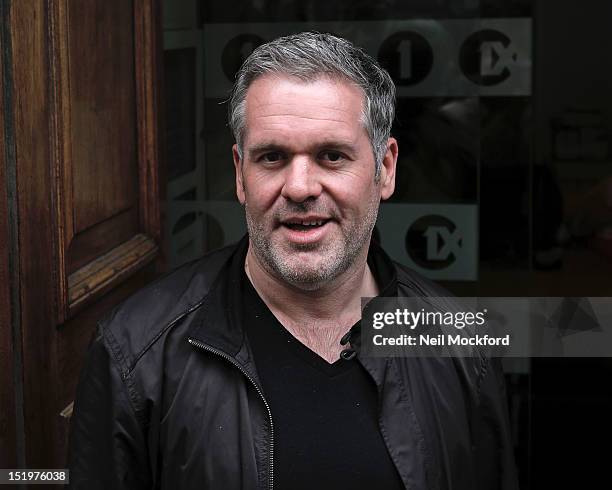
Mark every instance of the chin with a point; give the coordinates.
(304, 280)
(309, 275)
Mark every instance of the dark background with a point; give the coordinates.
(537, 166)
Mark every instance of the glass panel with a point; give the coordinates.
(180, 110)
(504, 125)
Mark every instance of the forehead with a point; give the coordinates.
(277, 102)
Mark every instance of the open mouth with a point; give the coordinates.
(305, 225)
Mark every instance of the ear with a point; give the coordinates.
(387, 170)
(238, 168)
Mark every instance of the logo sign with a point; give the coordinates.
(440, 241)
(407, 56)
(487, 57)
(236, 51)
(426, 58)
(433, 242)
(224, 220)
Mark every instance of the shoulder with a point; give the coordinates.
(410, 281)
(137, 323)
(472, 363)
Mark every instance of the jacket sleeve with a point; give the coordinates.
(492, 441)
(107, 442)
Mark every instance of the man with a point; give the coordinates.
(243, 370)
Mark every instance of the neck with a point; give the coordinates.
(318, 318)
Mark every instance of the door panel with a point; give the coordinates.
(105, 153)
(84, 97)
(103, 110)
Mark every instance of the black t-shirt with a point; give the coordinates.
(325, 416)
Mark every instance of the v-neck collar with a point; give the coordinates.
(259, 320)
(385, 275)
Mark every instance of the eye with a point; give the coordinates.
(332, 156)
(271, 157)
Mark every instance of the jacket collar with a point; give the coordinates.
(218, 321)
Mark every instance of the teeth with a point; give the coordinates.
(307, 223)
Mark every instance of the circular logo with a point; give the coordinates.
(236, 51)
(407, 56)
(433, 242)
(485, 57)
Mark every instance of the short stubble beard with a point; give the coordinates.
(337, 257)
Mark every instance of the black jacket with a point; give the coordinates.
(169, 398)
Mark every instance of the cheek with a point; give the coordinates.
(261, 190)
(357, 196)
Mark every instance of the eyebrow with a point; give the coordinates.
(344, 146)
(263, 148)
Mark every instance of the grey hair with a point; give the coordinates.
(310, 56)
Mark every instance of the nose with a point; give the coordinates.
(302, 180)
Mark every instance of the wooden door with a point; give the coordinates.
(80, 224)
(8, 420)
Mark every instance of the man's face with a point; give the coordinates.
(306, 178)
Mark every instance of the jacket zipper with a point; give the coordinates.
(222, 354)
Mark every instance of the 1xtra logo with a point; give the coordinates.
(433, 242)
(487, 56)
(407, 56)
